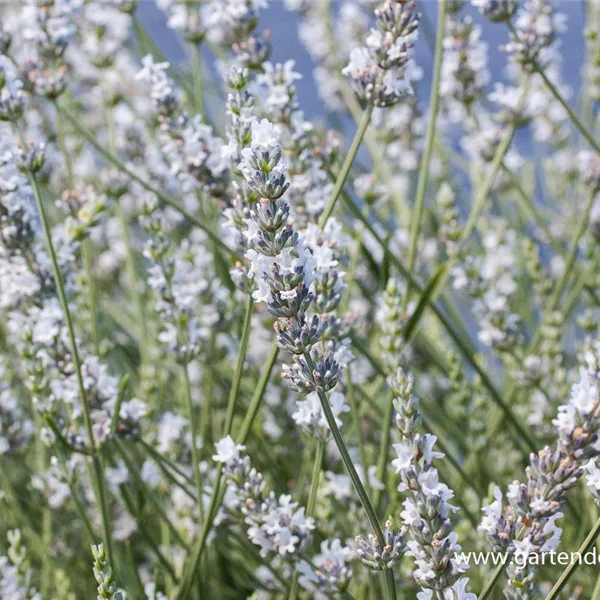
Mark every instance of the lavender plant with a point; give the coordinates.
(225, 279)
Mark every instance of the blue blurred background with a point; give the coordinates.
(282, 24)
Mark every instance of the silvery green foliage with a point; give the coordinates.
(175, 192)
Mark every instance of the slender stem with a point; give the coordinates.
(355, 412)
(258, 395)
(191, 568)
(347, 460)
(61, 139)
(149, 493)
(218, 490)
(381, 165)
(78, 505)
(102, 496)
(208, 386)
(390, 583)
(86, 253)
(64, 304)
(580, 284)
(239, 367)
(197, 77)
(121, 390)
(193, 431)
(314, 480)
(574, 118)
(345, 171)
(570, 259)
(91, 290)
(490, 179)
(529, 207)
(356, 482)
(384, 450)
(164, 198)
(129, 255)
(167, 464)
(568, 572)
(491, 583)
(60, 289)
(312, 502)
(41, 464)
(128, 500)
(434, 102)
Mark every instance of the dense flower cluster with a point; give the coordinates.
(381, 70)
(427, 514)
(274, 524)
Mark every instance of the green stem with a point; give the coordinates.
(134, 471)
(197, 77)
(218, 491)
(102, 496)
(239, 367)
(574, 118)
(570, 259)
(41, 464)
(345, 171)
(193, 431)
(85, 244)
(64, 304)
(91, 289)
(143, 527)
(208, 386)
(258, 395)
(166, 466)
(580, 283)
(382, 461)
(355, 412)
(346, 459)
(529, 207)
(568, 572)
(314, 480)
(182, 591)
(121, 390)
(491, 583)
(356, 482)
(129, 254)
(312, 502)
(60, 289)
(434, 102)
(78, 505)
